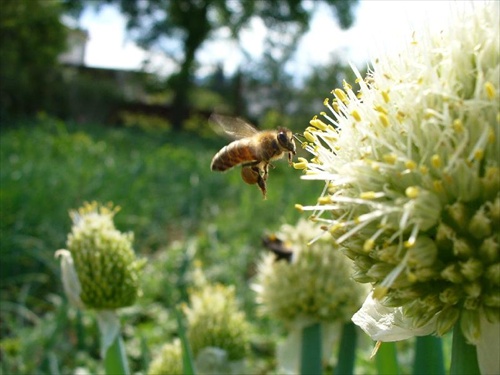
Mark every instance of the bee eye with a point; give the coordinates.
(282, 139)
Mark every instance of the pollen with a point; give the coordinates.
(299, 207)
(490, 90)
(438, 186)
(326, 101)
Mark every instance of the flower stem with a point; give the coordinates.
(187, 354)
(463, 355)
(428, 356)
(311, 352)
(115, 360)
(347, 350)
(386, 357)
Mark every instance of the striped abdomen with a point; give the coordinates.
(235, 153)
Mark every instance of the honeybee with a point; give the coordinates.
(280, 248)
(252, 149)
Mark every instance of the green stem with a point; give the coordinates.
(428, 356)
(386, 358)
(311, 352)
(115, 360)
(463, 355)
(187, 354)
(347, 350)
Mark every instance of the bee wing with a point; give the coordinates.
(234, 127)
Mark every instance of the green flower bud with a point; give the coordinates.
(214, 320)
(168, 360)
(315, 286)
(447, 319)
(105, 263)
(480, 225)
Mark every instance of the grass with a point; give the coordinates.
(170, 199)
(180, 213)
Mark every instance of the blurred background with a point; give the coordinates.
(108, 100)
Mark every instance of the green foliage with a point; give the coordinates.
(31, 38)
(168, 195)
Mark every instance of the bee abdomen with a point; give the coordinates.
(235, 153)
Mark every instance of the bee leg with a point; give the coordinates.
(262, 186)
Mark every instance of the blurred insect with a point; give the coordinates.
(281, 249)
(252, 149)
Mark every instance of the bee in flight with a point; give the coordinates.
(252, 149)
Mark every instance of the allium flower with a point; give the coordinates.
(168, 360)
(316, 285)
(100, 269)
(215, 321)
(411, 164)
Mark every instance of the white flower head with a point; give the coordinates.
(411, 164)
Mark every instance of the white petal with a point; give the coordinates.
(71, 283)
(488, 348)
(109, 327)
(386, 323)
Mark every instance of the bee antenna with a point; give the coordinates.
(298, 137)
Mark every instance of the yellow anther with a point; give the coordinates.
(299, 207)
(390, 158)
(479, 154)
(317, 123)
(384, 120)
(438, 186)
(356, 115)
(324, 200)
(381, 109)
(436, 161)
(339, 93)
(491, 92)
(423, 169)
(368, 245)
(386, 97)
(412, 192)
(411, 165)
(309, 136)
(368, 195)
(458, 126)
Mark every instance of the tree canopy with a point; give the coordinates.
(156, 23)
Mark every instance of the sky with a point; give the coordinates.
(380, 27)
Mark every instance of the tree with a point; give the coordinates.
(31, 39)
(191, 22)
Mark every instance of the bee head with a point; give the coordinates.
(285, 139)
